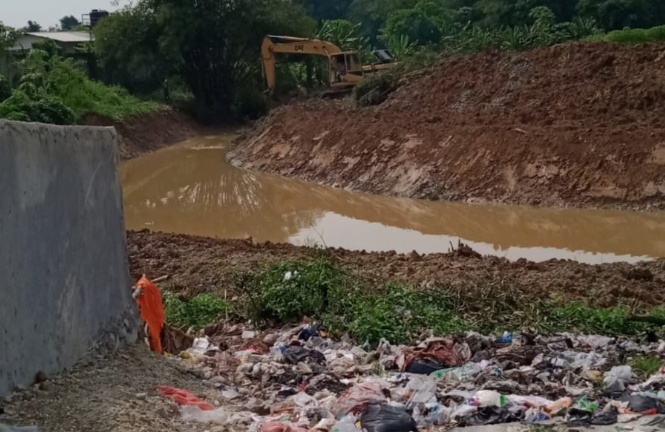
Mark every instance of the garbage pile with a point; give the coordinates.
(301, 380)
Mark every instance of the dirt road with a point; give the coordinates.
(578, 124)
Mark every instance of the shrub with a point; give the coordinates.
(198, 312)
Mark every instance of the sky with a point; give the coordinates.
(16, 13)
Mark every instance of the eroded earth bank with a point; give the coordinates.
(578, 124)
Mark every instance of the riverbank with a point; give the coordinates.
(150, 132)
(202, 264)
(497, 127)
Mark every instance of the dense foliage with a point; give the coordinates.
(53, 89)
(204, 54)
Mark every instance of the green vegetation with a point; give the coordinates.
(198, 312)
(203, 55)
(644, 367)
(655, 34)
(56, 90)
(344, 302)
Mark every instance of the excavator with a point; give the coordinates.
(345, 70)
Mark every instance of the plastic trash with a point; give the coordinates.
(424, 366)
(583, 404)
(7, 428)
(648, 405)
(534, 415)
(462, 411)
(194, 413)
(386, 418)
(492, 415)
(201, 346)
(467, 371)
(247, 334)
(605, 418)
(356, 397)
(488, 398)
(304, 400)
(506, 338)
(559, 405)
(529, 401)
(422, 390)
(616, 379)
(346, 424)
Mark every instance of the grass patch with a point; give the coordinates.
(368, 310)
(198, 312)
(632, 36)
(646, 366)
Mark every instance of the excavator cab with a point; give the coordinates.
(346, 70)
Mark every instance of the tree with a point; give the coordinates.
(372, 14)
(617, 14)
(33, 27)
(128, 50)
(217, 46)
(419, 25)
(69, 22)
(326, 9)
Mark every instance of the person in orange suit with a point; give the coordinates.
(150, 303)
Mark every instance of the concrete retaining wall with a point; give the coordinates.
(63, 262)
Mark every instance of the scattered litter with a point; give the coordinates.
(300, 380)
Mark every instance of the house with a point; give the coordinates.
(68, 40)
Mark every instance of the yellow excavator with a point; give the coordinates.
(345, 70)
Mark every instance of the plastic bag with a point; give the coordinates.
(467, 371)
(488, 398)
(616, 379)
(355, 398)
(347, 424)
(386, 418)
(194, 413)
(529, 401)
(422, 390)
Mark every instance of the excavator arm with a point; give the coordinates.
(290, 45)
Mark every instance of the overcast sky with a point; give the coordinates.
(16, 13)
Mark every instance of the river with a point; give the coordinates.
(191, 189)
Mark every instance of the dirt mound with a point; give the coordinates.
(577, 124)
(200, 264)
(149, 132)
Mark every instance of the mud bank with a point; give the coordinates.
(572, 125)
(198, 264)
(149, 132)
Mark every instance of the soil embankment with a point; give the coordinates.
(578, 124)
(201, 264)
(149, 132)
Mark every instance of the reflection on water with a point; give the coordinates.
(191, 189)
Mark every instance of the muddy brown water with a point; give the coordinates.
(191, 189)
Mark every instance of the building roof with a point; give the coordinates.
(71, 36)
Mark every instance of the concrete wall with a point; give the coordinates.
(63, 262)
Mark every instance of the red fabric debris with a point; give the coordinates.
(183, 397)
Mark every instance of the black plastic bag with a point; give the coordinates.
(491, 415)
(424, 366)
(296, 354)
(385, 418)
(605, 418)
